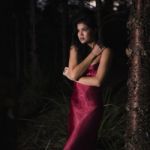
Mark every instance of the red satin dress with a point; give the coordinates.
(85, 115)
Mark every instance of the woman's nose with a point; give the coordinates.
(80, 33)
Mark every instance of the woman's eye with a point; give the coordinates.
(85, 29)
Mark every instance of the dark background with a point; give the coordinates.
(34, 51)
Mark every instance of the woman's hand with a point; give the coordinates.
(66, 73)
(97, 50)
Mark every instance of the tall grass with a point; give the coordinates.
(48, 130)
(111, 132)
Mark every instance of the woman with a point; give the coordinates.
(88, 73)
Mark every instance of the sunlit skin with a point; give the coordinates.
(75, 70)
(85, 34)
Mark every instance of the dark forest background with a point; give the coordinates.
(34, 95)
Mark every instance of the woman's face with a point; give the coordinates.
(84, 33)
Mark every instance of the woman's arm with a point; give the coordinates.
(75, 70)
(103, 67)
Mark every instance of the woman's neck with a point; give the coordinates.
(91, 44)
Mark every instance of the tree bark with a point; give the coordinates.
(34, 59)
(64, 32)
(137, 132)
(99, 18)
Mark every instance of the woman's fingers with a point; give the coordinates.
(65, 73)
(97, 50)
(65, 70)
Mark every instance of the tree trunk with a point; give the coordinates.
(18, 63)
(64, 32)
(34, 58)
(137, 133)
(99, 18)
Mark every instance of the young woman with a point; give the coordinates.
(88, 73)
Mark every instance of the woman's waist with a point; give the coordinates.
(83, 87)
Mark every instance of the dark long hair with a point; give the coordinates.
(87, 18)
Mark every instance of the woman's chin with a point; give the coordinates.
(83, 42)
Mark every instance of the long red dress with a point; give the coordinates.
(85, 115)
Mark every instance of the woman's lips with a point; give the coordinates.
(81, 39)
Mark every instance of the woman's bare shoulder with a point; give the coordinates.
(107, 50)
(107, 54)
(73, 47)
